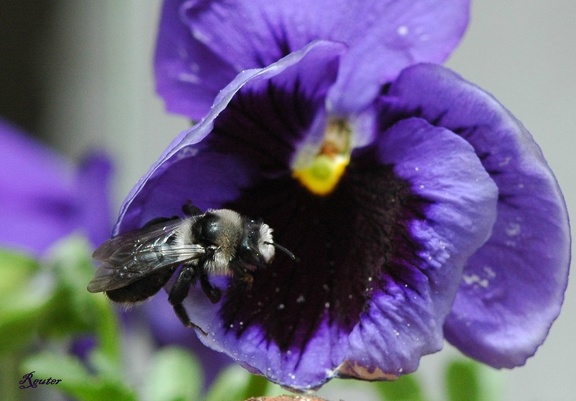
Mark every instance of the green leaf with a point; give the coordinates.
(232, 384)
(74, 379)
(73, 309)
(22, 312)
(9, 377)
(48, 299)
(257, 386)
(15, 270)
(467, 380)
(405, 388)
(24, 293)
(174, 375)
(108, 329)
(51, 302)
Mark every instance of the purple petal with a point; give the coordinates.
(406, 316)
(513, 287)
(83, 346)
(188, 75)
(93, 188)
(36, 193)
(216, 174)
(43, 198)
(202, 44)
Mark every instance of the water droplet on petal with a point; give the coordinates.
(402, 30)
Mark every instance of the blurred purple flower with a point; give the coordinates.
(43, 197)
(428, 212)
(203, 44)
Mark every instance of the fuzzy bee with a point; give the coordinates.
(135, 265)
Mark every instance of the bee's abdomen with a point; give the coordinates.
(141, 289)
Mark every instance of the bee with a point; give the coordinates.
(135, 265)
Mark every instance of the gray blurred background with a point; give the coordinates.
(78, 75)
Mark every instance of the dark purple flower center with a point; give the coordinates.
(354, 240)
(351, 241)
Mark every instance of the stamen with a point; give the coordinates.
(322, 172)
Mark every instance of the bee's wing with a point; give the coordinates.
(135, 254)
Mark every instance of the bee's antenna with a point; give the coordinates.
(284, 250)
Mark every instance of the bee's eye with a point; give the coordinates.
(248, 250)
(249, 254)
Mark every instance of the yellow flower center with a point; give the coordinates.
(321, 170)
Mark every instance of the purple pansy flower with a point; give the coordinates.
(203, 44)
(429, 210)
(43, 197)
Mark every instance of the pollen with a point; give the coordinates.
(320, 171)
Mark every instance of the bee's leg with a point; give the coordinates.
(185, 319)
(178, 294)
(241, 273)
(189, 209)
(213, 293)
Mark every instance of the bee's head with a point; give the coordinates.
(257, 247)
